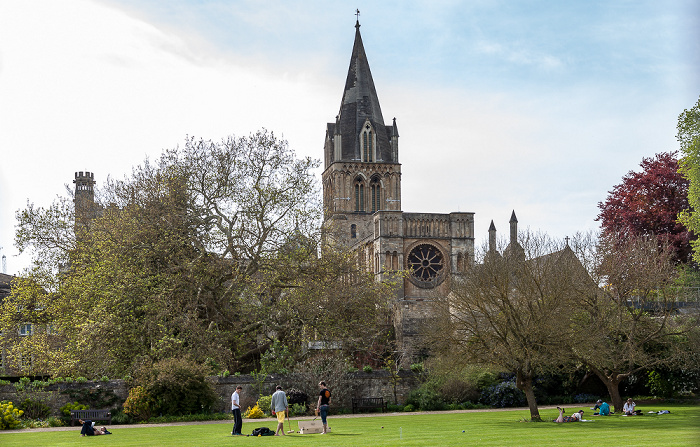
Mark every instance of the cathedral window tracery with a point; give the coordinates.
(376, 194)
(359, 195)
(368, 143)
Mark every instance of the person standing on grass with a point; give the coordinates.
(324, 402)
(236, 410)
(279, 406)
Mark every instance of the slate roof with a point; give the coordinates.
(359, 103)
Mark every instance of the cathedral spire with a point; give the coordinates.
(360, 111)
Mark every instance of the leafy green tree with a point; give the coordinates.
(212, 251)
(689, 138)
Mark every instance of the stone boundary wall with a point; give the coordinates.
(357, 384)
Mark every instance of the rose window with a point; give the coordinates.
(425, 263)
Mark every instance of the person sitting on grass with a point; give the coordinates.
(604, 408)
(576, 417)
(628, 409)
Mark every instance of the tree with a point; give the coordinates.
(648, 203)
(209, 252)
(629, 324)
(689, 138)
(512, 311)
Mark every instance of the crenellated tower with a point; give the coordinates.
(84, 198)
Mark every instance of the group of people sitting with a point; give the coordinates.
(603, 410)
(627, 409)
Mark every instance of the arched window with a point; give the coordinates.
(368, 143)
(359, 195)
(376, 194)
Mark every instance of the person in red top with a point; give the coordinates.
(324, 402)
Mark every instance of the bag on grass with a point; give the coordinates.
(262, 431)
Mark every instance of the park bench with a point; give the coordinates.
(93, 415)
(368, 403)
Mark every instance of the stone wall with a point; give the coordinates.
(358, 384)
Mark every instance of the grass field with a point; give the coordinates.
(492, 428)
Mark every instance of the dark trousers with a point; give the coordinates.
(237, 421)
(87, 429)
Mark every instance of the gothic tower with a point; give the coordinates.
(362, 174)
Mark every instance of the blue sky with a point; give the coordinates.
(533, 106)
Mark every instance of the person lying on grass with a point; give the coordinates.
(576, 417)
(89, 430)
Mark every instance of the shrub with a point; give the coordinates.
(417, 368)
(34, 409)
(10, 416)
(64, 411)
(264, 403)
(484, 380)
(426, 399)
(138, 404)
(505, 394)
(455, 390)
(54, 422)
(409, 408)
(179, 386)
(297, 409)
(253, 413)
(4, 382)
(119, 417)
(394, 407)
(81, 380)
(367, 369)
(104, 379)
(295, 396)
(94, 397)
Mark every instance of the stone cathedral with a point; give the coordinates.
(362, 201)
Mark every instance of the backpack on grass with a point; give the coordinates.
(262, 431)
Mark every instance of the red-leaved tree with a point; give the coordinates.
(648, 202)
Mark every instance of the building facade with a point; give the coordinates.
(362, 202)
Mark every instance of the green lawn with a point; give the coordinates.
(497, 428)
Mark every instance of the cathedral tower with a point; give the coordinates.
(362, 203)
(362, 174)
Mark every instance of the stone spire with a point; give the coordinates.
(513, 228)
(360, 105)
(492, 237)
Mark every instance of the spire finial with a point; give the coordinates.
(357, 14)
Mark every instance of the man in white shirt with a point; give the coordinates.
(236, 410)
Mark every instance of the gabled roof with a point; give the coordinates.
(359, 104)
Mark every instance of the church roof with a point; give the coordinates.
(359, 104)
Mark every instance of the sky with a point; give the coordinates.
(535, 106)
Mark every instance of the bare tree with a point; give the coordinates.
(512, 310)
(630, 323)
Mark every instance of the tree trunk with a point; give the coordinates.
(612, 383)
(524, 383)
(614, 391)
